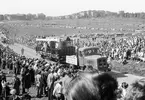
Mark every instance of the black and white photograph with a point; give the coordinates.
(72, 50)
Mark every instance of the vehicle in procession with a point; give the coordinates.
(63, 50)
(89, 56)
(55, 48)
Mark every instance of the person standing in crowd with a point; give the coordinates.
(27, 79)
(1, 65)
(3, 76)
(5, 90)
(55, 74)
(122, 90)
(57, 92)
(18, 65)
(15, 67)
(44, 75)
(26, 82)
(22, 51)
(9, 64)
(67, 77)
(4, 63)
(23, 79)
(136, 90)
(16, 84)
(0, 62)
(38, 83)
(32, 74)
(50, 83)
(0, 84)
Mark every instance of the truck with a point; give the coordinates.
(89, 56)
(55, 48)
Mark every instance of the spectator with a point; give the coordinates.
(44, 75)
(38, 84)
(57, 92)
(136, 91)
(16, 84)
(5, 90)
(27, 79)
(22, 51)
(91, 86)
(50, 83)
(122, 90)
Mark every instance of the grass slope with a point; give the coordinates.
(59, 27)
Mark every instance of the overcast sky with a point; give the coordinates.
(65, 7)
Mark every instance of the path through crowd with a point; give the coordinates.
(27, 51)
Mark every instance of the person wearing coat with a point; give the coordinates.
(38, 84)
(5, 90)
(32, 75)
(23, 71)
(16, 84)
(50, 83)
(27, 80)
(44, 75)
(0, 85)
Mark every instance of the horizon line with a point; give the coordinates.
(69, 14)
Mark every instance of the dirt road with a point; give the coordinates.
(27, 51)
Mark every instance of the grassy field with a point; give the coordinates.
(68, 26)
(132, 67)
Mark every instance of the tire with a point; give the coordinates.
(109, 70)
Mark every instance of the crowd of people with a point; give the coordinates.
(116, 48)
(60, 82)
(64, 82)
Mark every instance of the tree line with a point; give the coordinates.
(83, 14)
(39, 16)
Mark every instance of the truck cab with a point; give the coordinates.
(89, 56)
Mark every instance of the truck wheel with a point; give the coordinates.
(109, 70)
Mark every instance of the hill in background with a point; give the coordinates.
(78, 15)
